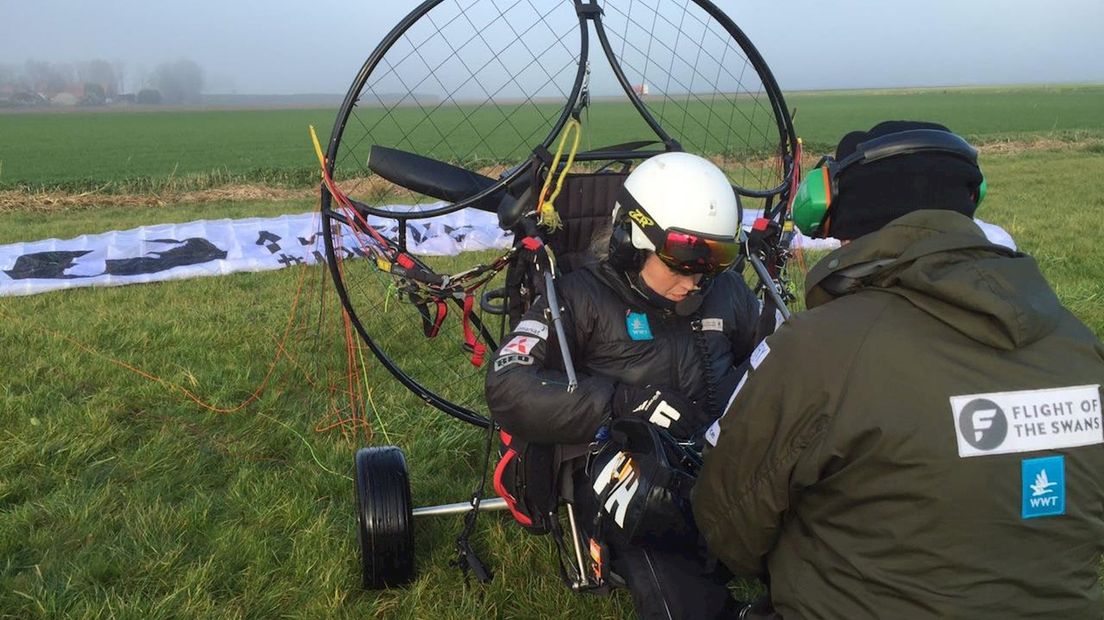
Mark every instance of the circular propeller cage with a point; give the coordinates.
(480, 89)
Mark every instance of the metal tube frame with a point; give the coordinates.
(493, 504)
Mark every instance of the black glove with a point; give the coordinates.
(660, 406)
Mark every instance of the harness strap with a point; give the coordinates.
(478, 349)
(499, 485)
(442, 312)
(431, 326)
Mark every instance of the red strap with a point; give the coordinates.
(760, 224)
(531, 243)
(442, 312)
(478, 348)
(500, 488)
(404, 261)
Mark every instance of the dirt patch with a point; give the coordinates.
(14, 200)
(368, 189)
(1015, 147)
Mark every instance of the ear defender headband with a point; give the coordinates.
(818, 192)
(623, 255)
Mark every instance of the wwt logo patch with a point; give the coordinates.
(1044, 487)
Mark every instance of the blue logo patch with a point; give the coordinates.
(637, 324)
(1044, 487)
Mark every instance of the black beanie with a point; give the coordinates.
(874, 194)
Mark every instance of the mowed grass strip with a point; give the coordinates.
(120, 497)
(186, 150)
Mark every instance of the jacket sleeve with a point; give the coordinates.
(526, 386)
(746, 485)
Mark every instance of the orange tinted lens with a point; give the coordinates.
(690, 253)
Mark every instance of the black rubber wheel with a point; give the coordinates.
(385, 519)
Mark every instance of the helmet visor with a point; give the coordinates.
(690, 252)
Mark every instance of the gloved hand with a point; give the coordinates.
(660, 406)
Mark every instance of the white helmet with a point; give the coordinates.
(681, 207)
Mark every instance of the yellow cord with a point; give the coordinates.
(371, 401)
(317, 148)
(545, 209)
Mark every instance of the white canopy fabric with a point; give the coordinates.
(217, 247)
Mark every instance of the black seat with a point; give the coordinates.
(585, 206)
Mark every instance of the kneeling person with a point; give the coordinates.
(925, 440)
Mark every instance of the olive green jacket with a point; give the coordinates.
(846, 475)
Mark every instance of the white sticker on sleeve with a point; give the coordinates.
(731, 399)
(712, 325)
(759, 354)
(534, 328)
(511, 360)
(522, 345)
(1028, 420)
(713, 434)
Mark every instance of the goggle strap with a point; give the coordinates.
(637, 214)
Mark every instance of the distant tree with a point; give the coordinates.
(46, 78)
(148, 96)
(8, 76)
(120, 76)
(179, 82)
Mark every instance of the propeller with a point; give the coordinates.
(432, 177)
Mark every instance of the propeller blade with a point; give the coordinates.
(431, 177)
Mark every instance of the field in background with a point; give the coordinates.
(154, 151)
(121, 497)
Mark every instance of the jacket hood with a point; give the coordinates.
(942, 263)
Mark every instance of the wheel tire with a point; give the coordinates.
(385, 519)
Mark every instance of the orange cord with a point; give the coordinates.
(179, 388)
(353, 391)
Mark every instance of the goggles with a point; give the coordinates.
(682, 250)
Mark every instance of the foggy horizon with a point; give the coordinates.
(285, 47)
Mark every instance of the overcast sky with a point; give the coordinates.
(317, 46)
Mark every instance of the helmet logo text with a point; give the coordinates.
(643, 220)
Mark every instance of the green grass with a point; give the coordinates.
(981, 115)
(139, 151)
(120, 497)
(154, 151)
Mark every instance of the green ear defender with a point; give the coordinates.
(818, 191)
(814, 196)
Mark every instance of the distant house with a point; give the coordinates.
(29, 99)
(64, 99)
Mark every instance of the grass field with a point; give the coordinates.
(149, 150)
(120, 497)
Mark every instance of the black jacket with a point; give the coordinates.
(526, 385)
